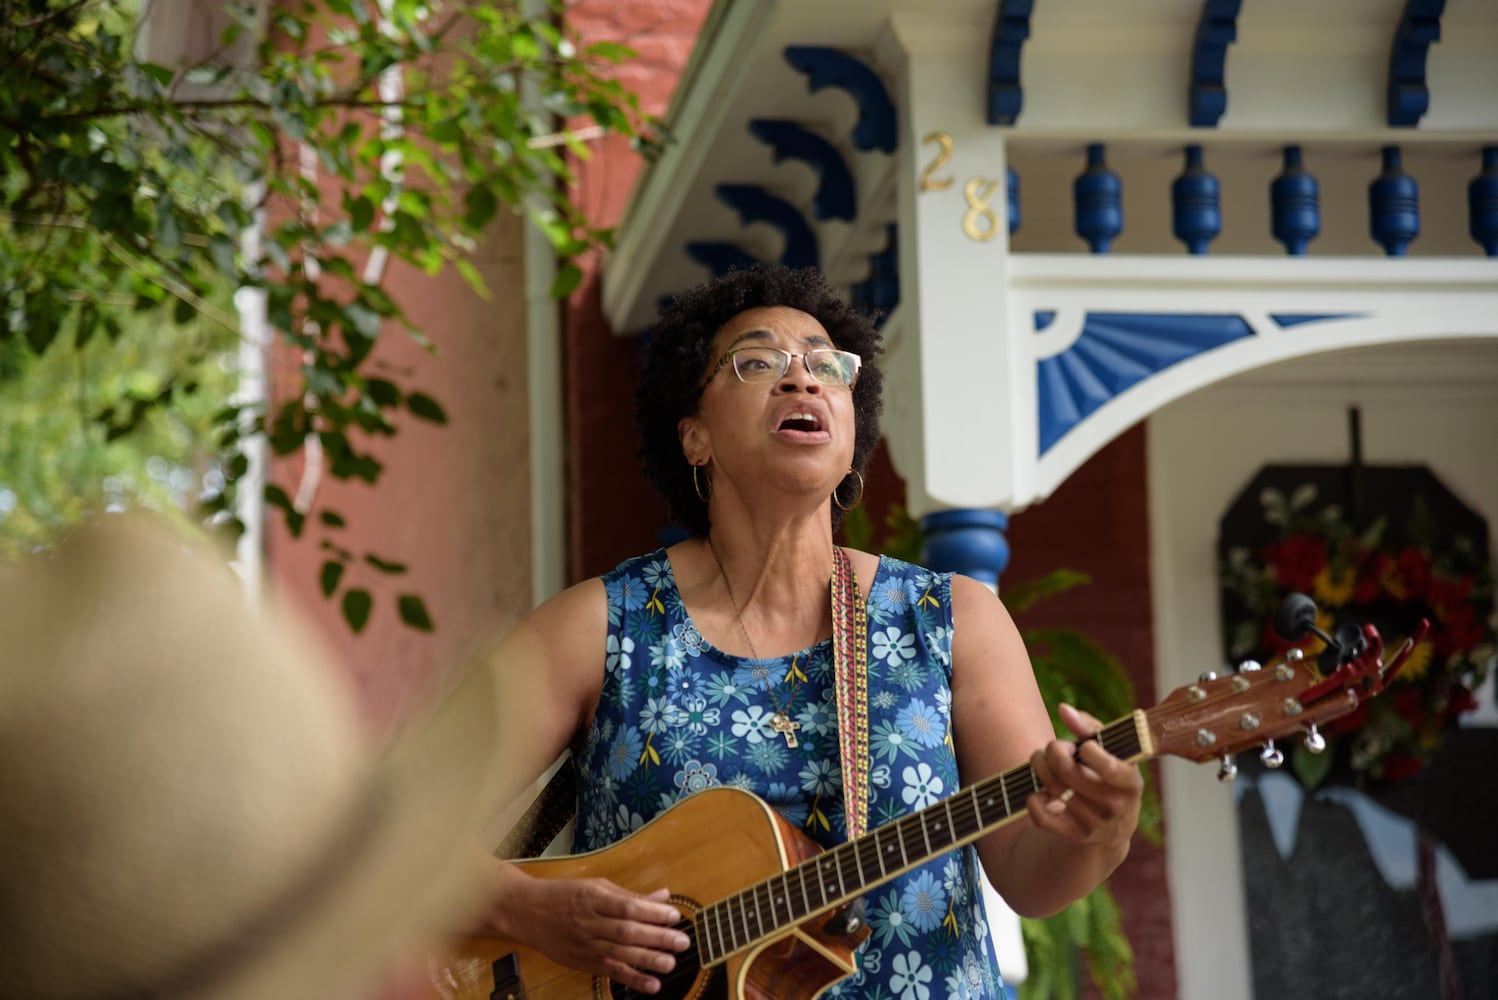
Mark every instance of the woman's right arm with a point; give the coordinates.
(552, 669)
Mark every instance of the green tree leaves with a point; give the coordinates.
(425, 407)
(357, 604)
(365, 132)
(413, 612)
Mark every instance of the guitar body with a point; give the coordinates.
(703, 849)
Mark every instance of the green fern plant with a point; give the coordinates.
(1071, 668)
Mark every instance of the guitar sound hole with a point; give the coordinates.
(686, 980)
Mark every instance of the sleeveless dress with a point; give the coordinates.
(678, 715)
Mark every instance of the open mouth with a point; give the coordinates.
(800, 421)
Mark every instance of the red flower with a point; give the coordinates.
(1330, 563)
(1446, 593)
(1412, 570)
(1365, 590)
(1296, 561)
(1459, 630)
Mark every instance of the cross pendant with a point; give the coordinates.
(785, 726)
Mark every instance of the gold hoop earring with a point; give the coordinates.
(698, 486)
(856, 499)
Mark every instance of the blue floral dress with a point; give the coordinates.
(678, 715)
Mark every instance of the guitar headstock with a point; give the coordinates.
(1218, 717)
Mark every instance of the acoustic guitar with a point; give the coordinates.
(770, 914)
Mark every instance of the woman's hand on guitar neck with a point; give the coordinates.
(1091, 797)
(592, 925)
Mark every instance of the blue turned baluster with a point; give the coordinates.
(1193, 198)
(1012, 179)
(1394, 206)
(970, 542)
(1482, 203)
(1294, 201)
(1098, 194)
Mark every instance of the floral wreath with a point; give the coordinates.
(1390, 578)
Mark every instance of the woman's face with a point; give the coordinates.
(792, 430)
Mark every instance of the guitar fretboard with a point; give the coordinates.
(842, 873)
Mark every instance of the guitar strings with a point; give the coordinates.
(1120, 738)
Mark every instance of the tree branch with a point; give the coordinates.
(206, 104)
(61, 12)
(169, 282)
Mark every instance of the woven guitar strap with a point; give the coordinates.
(557, 803)
(547, 815)
(851, 659)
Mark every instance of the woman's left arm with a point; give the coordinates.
(1079, 827)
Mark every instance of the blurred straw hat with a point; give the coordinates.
(188, 806)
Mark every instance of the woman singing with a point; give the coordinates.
(711, 662)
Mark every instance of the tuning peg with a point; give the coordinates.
(1271, 755)
(1209, 675)
(1249, 666)
(1314, 741)
(1228, 771)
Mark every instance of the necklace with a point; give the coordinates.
(781, 721)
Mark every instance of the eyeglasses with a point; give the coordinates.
(766, 364)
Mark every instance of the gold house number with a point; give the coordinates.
(945, 146)
(979, 223)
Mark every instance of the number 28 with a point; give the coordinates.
(979, 223)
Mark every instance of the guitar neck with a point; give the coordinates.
(841, 874)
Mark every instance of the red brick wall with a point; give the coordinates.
(453, 502)
(1098, 522)
(613, 513)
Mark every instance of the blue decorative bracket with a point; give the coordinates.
(837, 196)
(755, 204)
(880, 293)
(1409, 97)
(825, 67)
(1011, 26)
(720, 258)
(1217, 29)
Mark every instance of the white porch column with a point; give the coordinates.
(950, 362)
(963, 382)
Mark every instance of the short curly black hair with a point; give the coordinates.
(679, 352)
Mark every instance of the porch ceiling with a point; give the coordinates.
(1088, 69)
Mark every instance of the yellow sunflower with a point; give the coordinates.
(1334, 588)
(1418, 663)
